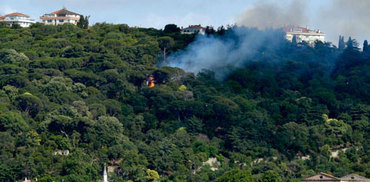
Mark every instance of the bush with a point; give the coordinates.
(12, 56)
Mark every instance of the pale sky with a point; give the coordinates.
(144, 13)
(334, 17)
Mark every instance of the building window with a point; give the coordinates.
(61, 21)
(50, 21)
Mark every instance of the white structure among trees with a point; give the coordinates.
(105, 175)
(193, 29)
(303, 34)
(17, 18)
(60, 17)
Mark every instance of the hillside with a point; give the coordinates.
(278, 116)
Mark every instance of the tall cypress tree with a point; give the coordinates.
(81, 22)
(341, 44)
(86, 23)
(365, 48)
(349, 43)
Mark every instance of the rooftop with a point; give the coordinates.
(195, 26)
(321, 177)
(15, 14)
(64, 11)
(292, 28)
(353, 177)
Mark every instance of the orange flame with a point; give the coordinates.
(151, 82)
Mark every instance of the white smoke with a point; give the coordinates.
(334, 17)
(265, 14)
(221, 54)
(338, 17)
(348, 18)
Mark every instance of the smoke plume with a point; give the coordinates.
(335, 17)
(266, 14)
(221, 54)
(343, 17)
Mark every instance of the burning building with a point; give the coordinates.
(303, 34)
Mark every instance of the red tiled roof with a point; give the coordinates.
(195, 26)
(292, 28)
(64, 11)
(2, 17)
(16, 14)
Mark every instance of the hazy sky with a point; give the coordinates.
(334, 17)
(146, 13)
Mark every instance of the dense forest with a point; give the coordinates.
(75, 99)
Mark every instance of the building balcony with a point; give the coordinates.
(59, 18)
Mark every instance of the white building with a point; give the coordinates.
(303, 34)
(105, 175)
(193, 29)
(60, 17)
(17, 18)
